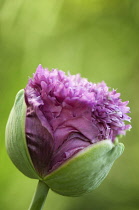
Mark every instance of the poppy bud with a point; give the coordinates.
(63, 130)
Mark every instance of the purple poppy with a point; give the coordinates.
(66, 114)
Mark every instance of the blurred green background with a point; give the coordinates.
(100, 40)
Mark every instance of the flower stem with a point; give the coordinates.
(39, 197)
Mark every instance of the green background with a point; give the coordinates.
(98, 39)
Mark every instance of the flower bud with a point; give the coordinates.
(63, 130)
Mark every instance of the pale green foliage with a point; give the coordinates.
(15, 137)
(86, 170)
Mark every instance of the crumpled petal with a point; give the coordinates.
(65, 114)
(75, 143)
(40, 143)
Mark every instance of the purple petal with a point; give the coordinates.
(65, 114)
(40, 143)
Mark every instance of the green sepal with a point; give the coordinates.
(15, 138)
(85, 171)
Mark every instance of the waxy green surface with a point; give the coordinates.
(85, 171)
(15, 138)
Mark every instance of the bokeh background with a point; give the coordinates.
(98, 39)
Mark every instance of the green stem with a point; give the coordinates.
(39, 197)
